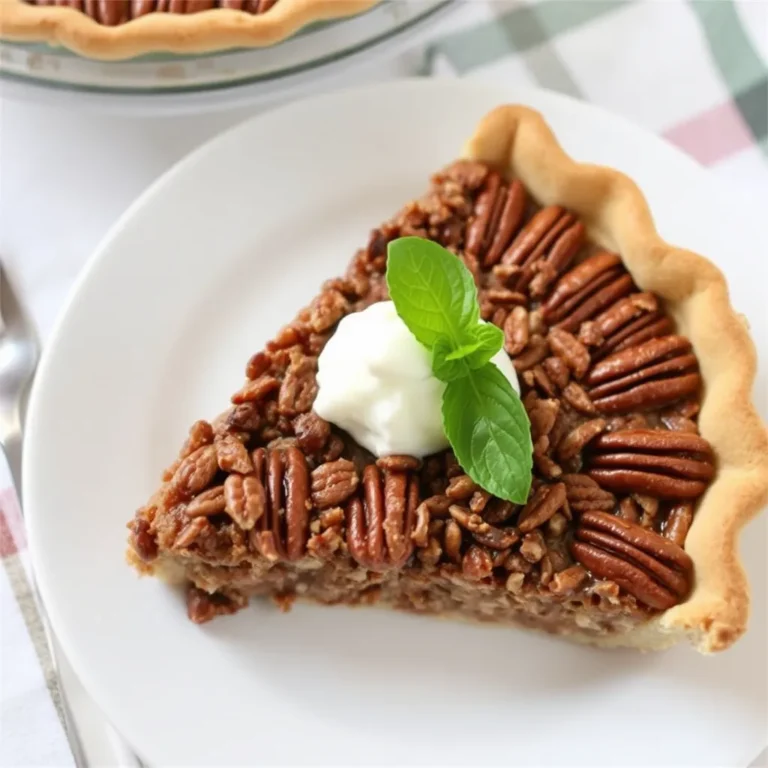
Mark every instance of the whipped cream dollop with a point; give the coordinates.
(375, 382)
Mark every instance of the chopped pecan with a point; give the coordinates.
(379, 526)
(547, 500)
(542, 415)
(311, 431)
(452, 539)
(479, 501)
(245, 499)
(207, 503)
(498, 511)
(327, 309)
(482, 532)
(590, 335)
(514, 583)
(538, 377)
(567, 347)
(516, 332)
(578, 437)
(420, 535)
(333, 483)
(583, 493)
(628, 509)
(647, 376)
(245, 417)
(533, 547)
(200, 434)
(575, 395)
(662, 464)
(232, 455)
(557, 371)
(477, 563)
(256, 389)
(299, 387)
(258, 365)
(678, 522)
(461, 488)
(281, 532)
(190, 533)
(653, 569)
(536, 350)
(196, 472)
(202, 606)
(568, 581)
(324, 545)
(142, 540)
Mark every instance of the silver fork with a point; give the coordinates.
(19, 353)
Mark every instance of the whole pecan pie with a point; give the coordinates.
(121, 29)
(636, 377)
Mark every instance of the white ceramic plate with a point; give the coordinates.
(196, 276)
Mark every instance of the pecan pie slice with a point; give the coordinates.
(121, 29)
(648, 456)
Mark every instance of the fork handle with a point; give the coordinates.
(12, 450)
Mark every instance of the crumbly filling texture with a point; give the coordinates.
(269, 499)
(114, 12)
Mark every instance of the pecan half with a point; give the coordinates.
(380, 524)
(232, 455)
(644, 377)
(333, 483)
(653, 569)
(245, 499)
(196, 472)
(281, 532)
(207, 503)
(659, 463)
(547, 500)
(497, 216)
(583, 493)
(570, 350)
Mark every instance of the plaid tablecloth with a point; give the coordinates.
(694, 72)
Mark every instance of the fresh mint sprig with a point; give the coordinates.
(483, 418)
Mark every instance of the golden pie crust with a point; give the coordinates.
(518, 140)
(211, 30)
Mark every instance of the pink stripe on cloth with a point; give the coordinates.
(713, 135)
(12, 537)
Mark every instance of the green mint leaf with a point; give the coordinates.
(449, 363)
(434, 293)
(489, 431)
(445, 367)
(489, 340)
